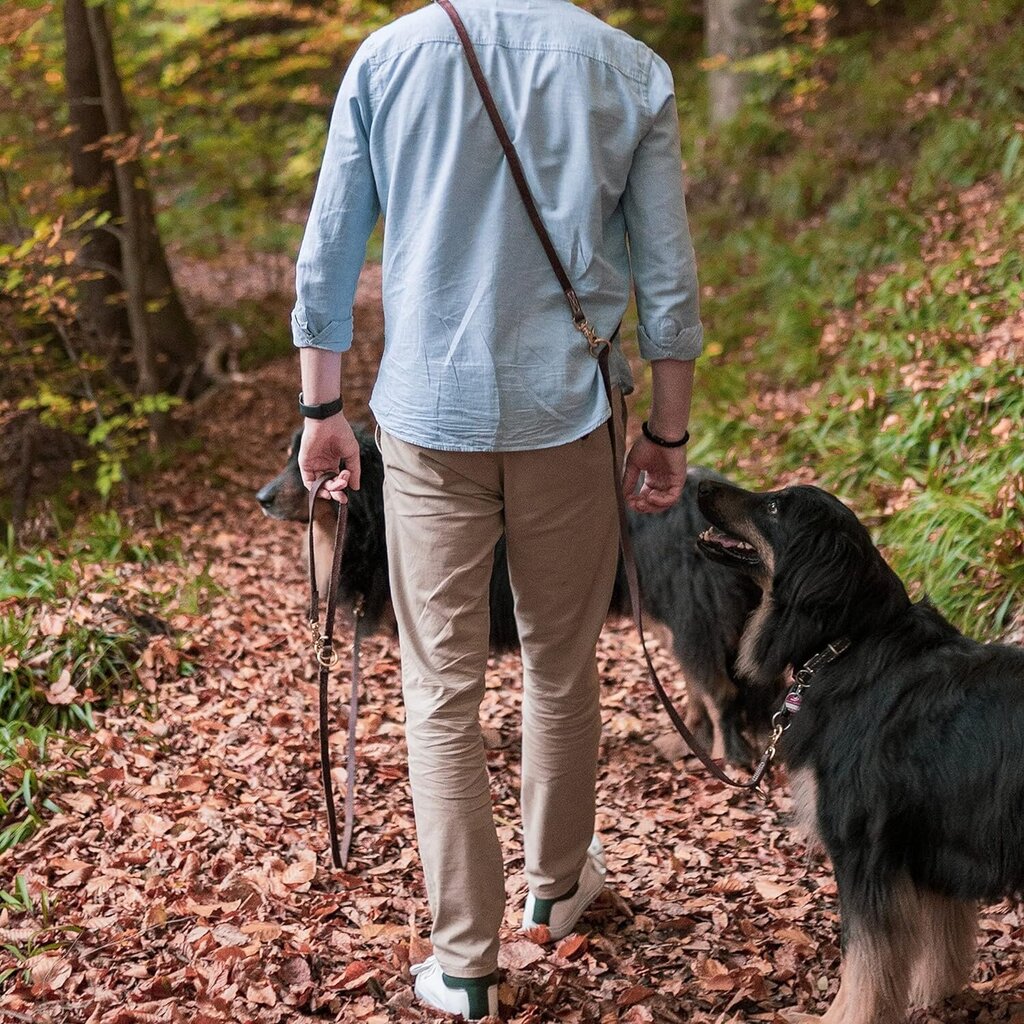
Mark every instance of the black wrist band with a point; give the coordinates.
(321, 411)
(660, 441)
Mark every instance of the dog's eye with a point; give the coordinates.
(772, 507)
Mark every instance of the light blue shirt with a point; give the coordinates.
(480, 351)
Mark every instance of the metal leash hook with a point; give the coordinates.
(325, 655)
(783, 718)
(595, 342)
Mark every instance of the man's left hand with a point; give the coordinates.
(664, 472)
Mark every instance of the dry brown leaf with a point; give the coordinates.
(572, 946)
(301, 871)
(634, 994)
(771, 890)
(262, 931)
(357, 974)
(539, 933)
(48, 973)
(62, 691)
(518, 954)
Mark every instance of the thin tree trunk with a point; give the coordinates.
(126, 174)
(733, 30)
(101, 251)
(163, 342)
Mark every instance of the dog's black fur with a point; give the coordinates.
(704, 612)
(703, 609)
(906, 751)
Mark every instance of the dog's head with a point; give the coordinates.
(820, 574)
(364, 565)
(285, 497)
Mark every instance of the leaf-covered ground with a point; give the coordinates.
(190, 869)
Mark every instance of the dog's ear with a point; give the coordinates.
(823, 575)
(816, 589)
(773, 638)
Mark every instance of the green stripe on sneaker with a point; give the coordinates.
(542, 908)
(476, 992)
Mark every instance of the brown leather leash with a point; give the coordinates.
(599, 348)
(326, 657)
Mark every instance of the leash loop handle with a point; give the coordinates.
(326, 657)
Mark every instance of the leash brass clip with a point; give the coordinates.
(783, 718)
(326, 655)
(595, 343)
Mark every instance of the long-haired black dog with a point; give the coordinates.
(905, 749)
(702, 609)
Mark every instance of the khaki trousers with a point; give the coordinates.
(445, 512)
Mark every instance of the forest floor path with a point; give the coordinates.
(190, 866)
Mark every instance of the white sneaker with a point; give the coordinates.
(561, 914)
(473, 998)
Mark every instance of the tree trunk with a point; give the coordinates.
(101, 252)
(162, 340)
(733, 30)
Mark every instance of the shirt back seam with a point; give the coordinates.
(378, 59)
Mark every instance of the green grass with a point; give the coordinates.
(846, 222)
(56, 660)
(32, 927)
(26, 781)
(62, 656)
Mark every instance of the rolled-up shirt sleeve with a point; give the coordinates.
(344, 211)
(660, 249)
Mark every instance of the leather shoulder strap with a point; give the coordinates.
(514, 163)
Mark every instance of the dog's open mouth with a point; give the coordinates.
(727, 548)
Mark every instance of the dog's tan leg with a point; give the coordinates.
(949, 930)
(717, 733)
(795, 1017)
(804, 789)
(325, 521)
(877, 966)
(873, 988)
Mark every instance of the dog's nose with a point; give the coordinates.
(704, 488)
(266, 495)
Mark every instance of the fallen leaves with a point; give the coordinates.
(190, 872)
(49, 973)
(572, 946)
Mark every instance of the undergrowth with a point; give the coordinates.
(70, 643)
(862, 290)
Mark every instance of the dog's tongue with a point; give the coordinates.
(724, 540)
(730, 542)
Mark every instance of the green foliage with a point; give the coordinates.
(858, 253)
(246, 91)
(52, 369)
(57, 663)
(63, 656)
(55, 680)
(46, 934)
(25, 778)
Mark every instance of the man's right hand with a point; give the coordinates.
(329, 446)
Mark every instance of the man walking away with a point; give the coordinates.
(492, 410)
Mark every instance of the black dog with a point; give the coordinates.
(905, 748)
(702, 609)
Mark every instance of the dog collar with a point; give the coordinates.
(803, 675)
(782, 719)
